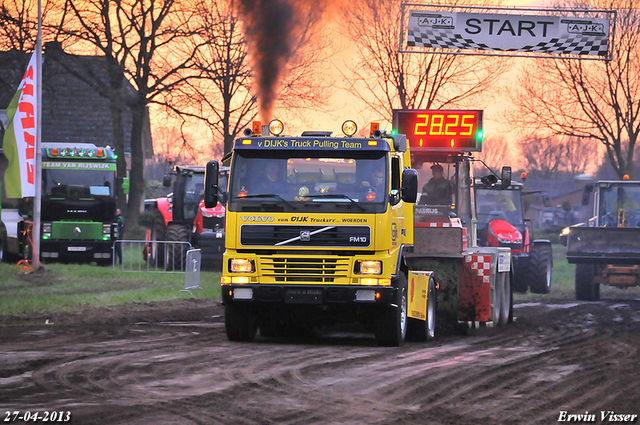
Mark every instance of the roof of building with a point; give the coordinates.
(72, 110)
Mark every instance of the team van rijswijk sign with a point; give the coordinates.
(539, 34)
(19, 141)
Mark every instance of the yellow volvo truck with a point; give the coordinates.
(319, 230)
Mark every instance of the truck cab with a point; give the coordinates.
(606, 250)
(316, 227)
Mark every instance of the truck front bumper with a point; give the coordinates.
(322, 295)
(73, 250)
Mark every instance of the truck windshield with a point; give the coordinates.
(616, 197)
(499, 204)
(314, 182)
(77, 185)
(78, 194)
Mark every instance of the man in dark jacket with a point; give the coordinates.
(119, 234)
(437, 191)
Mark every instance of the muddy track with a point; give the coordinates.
(122, 368)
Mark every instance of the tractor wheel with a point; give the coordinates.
(520, 280)
(240, 322)
(391, 325)
(540, 268)
(156, 251)
(586, 288)
(176, 253)
(425, 330)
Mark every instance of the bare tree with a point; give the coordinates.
(496, 152)
(385, 79)
(18, 25)
(143, 41)
(589, 99)
(222, 96)
(543, 154)
(579, 154)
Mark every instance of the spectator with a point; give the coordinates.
(119, 234)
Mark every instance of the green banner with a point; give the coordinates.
(83, 166)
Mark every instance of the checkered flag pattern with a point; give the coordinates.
(481, 264)
(574, 44)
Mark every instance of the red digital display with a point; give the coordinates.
(435, 129)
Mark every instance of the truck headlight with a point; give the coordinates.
(368, 267)
(242, 265)
(46, 230)
(106, 232)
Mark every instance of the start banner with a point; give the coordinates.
(539, 34)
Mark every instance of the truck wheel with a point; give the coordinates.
(391, 326)
(586, 289)
(425, 330)
(158, 230)
(540, 268)
(240, 322)
(2, 247)
(176, 254)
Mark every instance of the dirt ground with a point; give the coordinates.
(171, 363)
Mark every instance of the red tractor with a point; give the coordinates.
(182, 217)
(501, 222)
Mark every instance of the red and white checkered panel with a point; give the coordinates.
(454, 222)
(481, 264)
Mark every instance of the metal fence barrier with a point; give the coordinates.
(192, 272)
(156, 256)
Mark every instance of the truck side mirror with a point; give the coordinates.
(410, 185)
(211, 184)
(166, 180)
(125, 185)
(506, 177)
(586, 194)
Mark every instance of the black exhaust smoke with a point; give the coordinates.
(269, 26)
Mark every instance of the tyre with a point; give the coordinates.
(391, 325)
(176, 253)
(520, 283)
(158, 230)
(105, 262)
(240, 322)
(496, 299)
(586, 288)
(506, 295)
(425, 330)
(540, 264)
(2, 246)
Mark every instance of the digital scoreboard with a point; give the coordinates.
(440, 130)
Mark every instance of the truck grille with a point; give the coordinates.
(304, 270)
(306, 236)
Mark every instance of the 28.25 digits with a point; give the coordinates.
(46, 416)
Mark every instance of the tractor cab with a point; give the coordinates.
(500, 216)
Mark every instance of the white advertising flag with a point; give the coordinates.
(19, 141)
